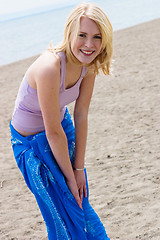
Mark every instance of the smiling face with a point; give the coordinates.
(88, 43)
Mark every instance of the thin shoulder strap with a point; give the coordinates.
(84, 72)
(63, 68)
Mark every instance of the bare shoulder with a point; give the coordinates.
(45, 68)
(90, 75)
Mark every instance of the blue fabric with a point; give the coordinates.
(64, 219)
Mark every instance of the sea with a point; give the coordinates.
(28, 33)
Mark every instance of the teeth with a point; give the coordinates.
(86, 52)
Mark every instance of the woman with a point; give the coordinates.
(49, 150)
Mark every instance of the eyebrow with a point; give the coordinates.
(94, 34)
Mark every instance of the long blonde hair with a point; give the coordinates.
(93, 12)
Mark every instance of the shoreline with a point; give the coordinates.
(122, 156)
(31, 58)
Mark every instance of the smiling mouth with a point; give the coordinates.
(87, 53)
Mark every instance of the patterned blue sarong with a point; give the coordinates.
(64, 219)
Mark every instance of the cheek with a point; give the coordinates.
(76, 46)
(98, 44)
(72, 44)
(78, 43)
(99, 47)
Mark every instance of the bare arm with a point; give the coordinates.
(81, 124)
(48, 81)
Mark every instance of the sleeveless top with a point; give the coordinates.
(27, 115)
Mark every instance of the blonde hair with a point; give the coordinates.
(93, 12)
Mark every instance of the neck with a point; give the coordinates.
(73, 66)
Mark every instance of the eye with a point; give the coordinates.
(82, 35)
(97, 37)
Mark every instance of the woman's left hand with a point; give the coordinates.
(81, 183)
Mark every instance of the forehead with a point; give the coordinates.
(87, 25)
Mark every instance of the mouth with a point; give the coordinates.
(87, 53)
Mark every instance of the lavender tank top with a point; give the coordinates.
(27, 115)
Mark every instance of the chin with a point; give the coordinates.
(86, 61)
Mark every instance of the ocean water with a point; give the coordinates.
(29, 32)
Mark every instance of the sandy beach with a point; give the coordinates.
(123, 150)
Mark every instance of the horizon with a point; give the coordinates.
(9, 6)
(20, 8)
(36, 22)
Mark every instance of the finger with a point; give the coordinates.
(81, 193)
(78, 201)
(85, 191)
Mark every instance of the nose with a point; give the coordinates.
(89, 43)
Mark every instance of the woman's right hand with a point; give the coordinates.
(74, 190)
(47, 78)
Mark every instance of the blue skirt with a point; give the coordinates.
(64, 219)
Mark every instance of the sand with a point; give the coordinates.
(123, 151)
